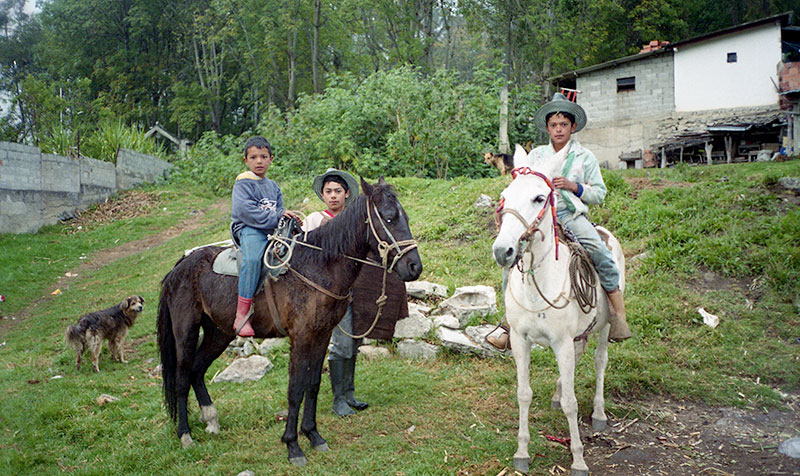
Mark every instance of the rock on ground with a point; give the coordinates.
(790, 447)
(373, 352)
(469, 301)
(446, 320)
(425, 289)
(458, 341)
(415, 325)
(245, 369)
(412, 349)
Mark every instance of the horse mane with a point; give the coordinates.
(337, 236)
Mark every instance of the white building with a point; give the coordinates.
(712, 96)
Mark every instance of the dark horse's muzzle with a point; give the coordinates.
(409, 266)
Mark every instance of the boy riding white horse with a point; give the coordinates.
(579, 185)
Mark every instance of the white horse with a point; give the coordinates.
(540, 305)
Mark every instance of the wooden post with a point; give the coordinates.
(682, 152)
(663, 157)
(503, 133)
(728, 148)
(709, 147)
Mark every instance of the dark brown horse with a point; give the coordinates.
(193, 297)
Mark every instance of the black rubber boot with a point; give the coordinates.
(338, 368)
(349, 378)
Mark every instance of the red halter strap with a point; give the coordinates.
(550, 198)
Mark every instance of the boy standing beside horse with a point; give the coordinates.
(579, 185)
(337, 189)
(257, 208)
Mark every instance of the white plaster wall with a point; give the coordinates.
(705, 80)
(609, 140)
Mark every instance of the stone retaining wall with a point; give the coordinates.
(38, 189)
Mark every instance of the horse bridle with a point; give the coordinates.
(385, 246)
(401, 247)
(383, 250)
(530, 229)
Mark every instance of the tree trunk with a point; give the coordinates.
(291, 53)
(209, 72)
(503, 132)
(315, 47)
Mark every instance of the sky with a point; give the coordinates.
(30, 6)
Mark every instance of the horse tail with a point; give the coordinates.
(166, 345)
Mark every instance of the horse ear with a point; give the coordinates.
(520, 156)
(365, 187)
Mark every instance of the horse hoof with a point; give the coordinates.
(580, 472)
(555, 404)
(299, 461)
(323, 447)
(598, 425)
(186, 440)
(522, 464)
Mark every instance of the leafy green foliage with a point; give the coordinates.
(213, 162)
(394, 123)
(112, 135)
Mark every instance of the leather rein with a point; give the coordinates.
(384, 247)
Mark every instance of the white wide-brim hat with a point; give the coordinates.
(352, 184)
(559, 104)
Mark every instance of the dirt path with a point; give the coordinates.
(685, 438)
(103, 257)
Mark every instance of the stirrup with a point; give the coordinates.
(244, 323)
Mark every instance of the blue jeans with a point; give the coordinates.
(588, 237)
(343, 347)
(253, 243)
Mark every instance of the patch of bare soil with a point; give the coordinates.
(645, 183)
(790, 200)
(679, 438)
(708, 281)
(125, 205)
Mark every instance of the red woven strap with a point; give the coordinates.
(550, 198)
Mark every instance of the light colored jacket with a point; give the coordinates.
(584, 170)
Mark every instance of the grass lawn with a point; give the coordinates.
(724, 238)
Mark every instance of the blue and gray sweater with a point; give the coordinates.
(257, 203)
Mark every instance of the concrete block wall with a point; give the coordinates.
(134, 168)
(626, 121)
(654, 94)
(98, 180)
(39, 189)
(16, 172)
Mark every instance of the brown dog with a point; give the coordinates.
(111, 324)
(503, 162)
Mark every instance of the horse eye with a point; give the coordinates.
(539, 199)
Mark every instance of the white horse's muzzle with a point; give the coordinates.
(505, 253)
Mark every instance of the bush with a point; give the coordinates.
(393, 123)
